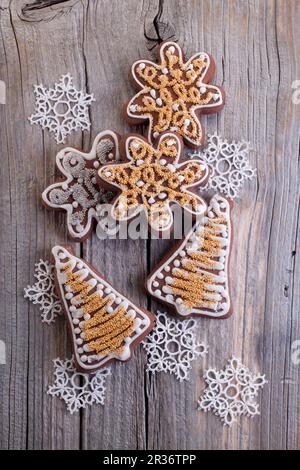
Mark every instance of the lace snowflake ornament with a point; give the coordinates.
(62, 109)
(172, 346)
(231, 392)
(43, 292)
(77, 389)
(228, 163)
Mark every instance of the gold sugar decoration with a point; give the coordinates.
(104, 332)
(194, 287)
(172, 91)
(146, 180)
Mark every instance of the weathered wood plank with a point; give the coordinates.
(254, 44)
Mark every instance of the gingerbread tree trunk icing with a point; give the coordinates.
(104, 325)
(194, 278)
(174, 93)
(152, 178)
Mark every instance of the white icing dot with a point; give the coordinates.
(118, 300)
(202, 89)
(135, 144)
(107, 174)
(72, 308)
(139, 162)
(211, 214)
(165, 71)
(159, 102)
(109, 309)
(223, 205)
(140, 183)
(142, 65)
(155, 134)
(133, 108)
(163, 161)
(75, 321)
(179, 300)
(132, 312)
(79, 228)
(190, 67)
(83, 358)
(62, 255)
(80, 180)
(77, 331)
(169, 280)
(79, 341)
(96, 164)
(167, 269)
(157, 292)
(155, 284)
(182, 253)
(94, 180)
(100, 286)
(174, 129)
(216, 97)
(160, 275)
(80, 350)
(162, 195)
(181, 178)
(79, 265)
(169, 297)
(69, 295)
(171, 142)
(68, 288)
(187, 122)
(151, 200)
(175, 106)
(64, 186)
(86, 316)
(171, 167)
(107, 290)
(171, 49)
(177, 263)
(110, 156)
(153, 93)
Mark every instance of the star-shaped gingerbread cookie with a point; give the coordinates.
(77, 193)
(174, 93)
(151, 179)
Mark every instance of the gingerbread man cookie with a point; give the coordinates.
(151, 179)
(78, 193)
(104, 325)
(194, 279)
(174, 94)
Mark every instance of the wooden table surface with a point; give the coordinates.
(256, 46)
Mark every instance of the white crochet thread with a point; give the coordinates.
(228, 164)
(172, 346)
(231, 392)
(62, 109)
(78, 390)
(43, 292)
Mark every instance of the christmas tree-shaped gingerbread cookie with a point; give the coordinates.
(104, 325)
(193, 279)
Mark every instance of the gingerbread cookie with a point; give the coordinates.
(151, 179)
(174, 94)
(104, 325)
(78, 193)
(193, 279)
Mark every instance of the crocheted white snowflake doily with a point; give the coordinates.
(77, 389)
(62, 109)
(228, 164)
(172, 346)
(43, 292)
(231, 392)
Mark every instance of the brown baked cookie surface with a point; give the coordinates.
(104, 325)
(77, 192)
(173, 93)
(152, 179)
(194, 278)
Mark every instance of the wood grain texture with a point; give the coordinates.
(255, 44)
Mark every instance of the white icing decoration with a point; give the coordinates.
(142, 320)
(79, 195)
(219, 271)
